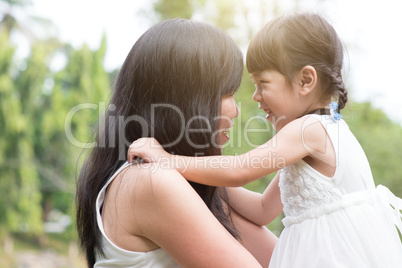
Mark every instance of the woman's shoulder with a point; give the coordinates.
(143, 180)
(142, 196)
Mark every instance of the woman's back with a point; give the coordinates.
(115, 256)
(148, 203)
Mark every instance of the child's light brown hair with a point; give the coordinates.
(290, 42)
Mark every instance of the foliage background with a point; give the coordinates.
(38, 160)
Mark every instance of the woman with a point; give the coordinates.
(177, 84)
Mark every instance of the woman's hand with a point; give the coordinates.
(148, 149)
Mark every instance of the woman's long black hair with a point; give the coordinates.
(172, 80)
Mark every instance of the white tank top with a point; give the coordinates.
(118, 257)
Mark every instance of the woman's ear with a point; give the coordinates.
(308, 79)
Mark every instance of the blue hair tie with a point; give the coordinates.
(333, 108)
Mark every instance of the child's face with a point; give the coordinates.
(276, 97)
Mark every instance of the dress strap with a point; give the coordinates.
(393, 202)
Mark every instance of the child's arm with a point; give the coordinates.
(291, 144)
(258, 208)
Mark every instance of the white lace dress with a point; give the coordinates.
(343, 221)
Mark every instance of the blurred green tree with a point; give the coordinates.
(173, 9)
(77, 99)
(20, 196)
(381, 139)
(46, 119)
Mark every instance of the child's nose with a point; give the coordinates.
(237, 110)
(257, 96)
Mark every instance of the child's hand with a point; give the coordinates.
(148, 149)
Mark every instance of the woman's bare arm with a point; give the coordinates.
(258, 240)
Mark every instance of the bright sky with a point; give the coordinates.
(370, 29)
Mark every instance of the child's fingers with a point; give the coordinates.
(131, 154)
(132, 151)
(134, 147)
(140, 145)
